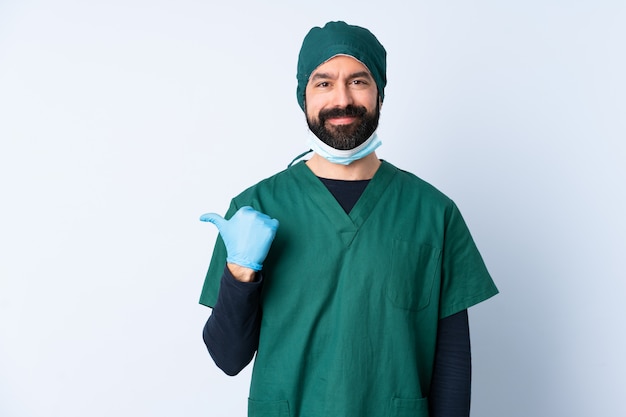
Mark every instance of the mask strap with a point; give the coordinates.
(298, 157)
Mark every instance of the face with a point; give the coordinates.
(341, 103)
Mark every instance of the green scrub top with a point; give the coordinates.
(351, 302)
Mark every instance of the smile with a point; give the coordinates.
(345, 120)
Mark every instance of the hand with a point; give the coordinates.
(248, 236)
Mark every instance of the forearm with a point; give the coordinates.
(231, 333)
(451, 382)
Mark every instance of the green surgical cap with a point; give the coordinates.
(339, 38)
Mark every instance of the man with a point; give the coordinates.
(348, 277)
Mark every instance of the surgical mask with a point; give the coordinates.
(343, 157)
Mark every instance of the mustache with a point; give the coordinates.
(348, 111)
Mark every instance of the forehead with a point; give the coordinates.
(340, 64)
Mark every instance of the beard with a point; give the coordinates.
(345, 137)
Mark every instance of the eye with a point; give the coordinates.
(323, 84)
(359, 83)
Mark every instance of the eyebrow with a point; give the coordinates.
(326, 75)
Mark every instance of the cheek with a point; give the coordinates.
(312, 103)
(370, 101)
(310, 115)
(311, 109)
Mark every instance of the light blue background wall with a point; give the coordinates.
(122, 121)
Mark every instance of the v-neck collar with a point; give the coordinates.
(344, 222)
(347, 193)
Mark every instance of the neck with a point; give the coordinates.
(361, 169)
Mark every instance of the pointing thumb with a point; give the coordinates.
(214, 218)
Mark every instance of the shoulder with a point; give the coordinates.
(274, 185)
(412, 186)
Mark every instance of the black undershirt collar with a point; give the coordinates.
(347, 193)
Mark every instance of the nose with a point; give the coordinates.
(342, 96)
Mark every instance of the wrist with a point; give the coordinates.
(241, 273)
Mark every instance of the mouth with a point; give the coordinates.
(344, 120)
(338, 117)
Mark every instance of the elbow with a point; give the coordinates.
(230, 371)
(224, 359)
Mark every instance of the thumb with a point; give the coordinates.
(214, 218)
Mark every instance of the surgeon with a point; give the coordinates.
(349, 278)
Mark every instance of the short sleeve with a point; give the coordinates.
(465, 280)
(211, 286)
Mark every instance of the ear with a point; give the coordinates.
(380, 103)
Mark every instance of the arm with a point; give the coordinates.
(451, 382)
(231, 334)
